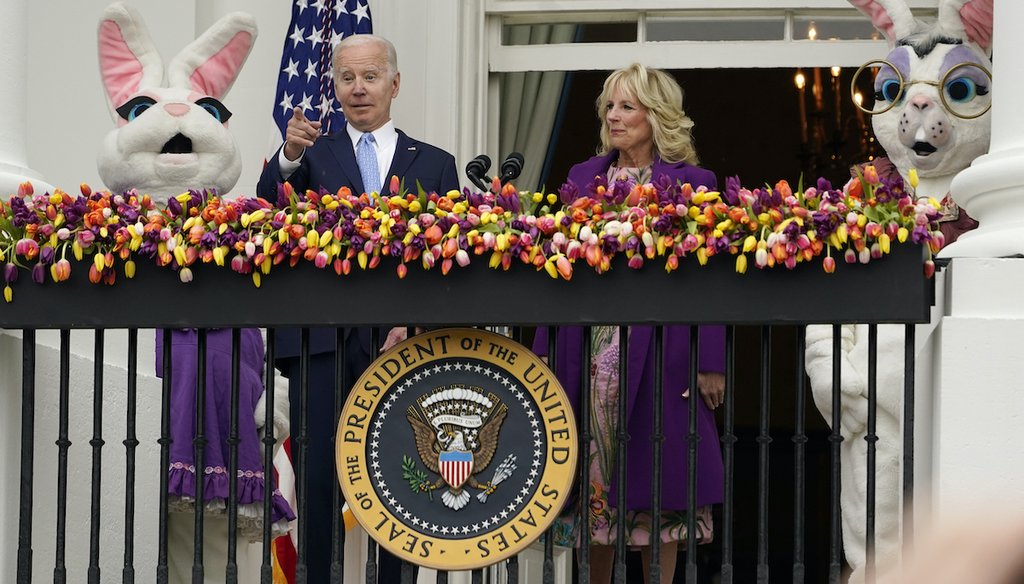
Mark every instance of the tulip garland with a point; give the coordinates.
(658, 221)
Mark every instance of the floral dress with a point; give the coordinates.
(603, 516)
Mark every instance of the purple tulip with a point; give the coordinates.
(38, 273)
(10, 273)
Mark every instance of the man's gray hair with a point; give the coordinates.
(362, 39)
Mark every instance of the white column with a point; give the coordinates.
(978, 403)
(14, 99)
(992, 188)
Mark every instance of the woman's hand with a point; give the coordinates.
(712, 388)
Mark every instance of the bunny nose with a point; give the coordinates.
(176, 109)
(921, 102)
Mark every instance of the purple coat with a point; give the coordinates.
(639, 395)
(584, 173)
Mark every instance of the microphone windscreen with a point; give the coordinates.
(478, 166)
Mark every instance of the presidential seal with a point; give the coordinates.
(456, 449)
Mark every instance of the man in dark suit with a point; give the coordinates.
(361, 157)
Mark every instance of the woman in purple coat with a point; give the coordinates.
(644, 136)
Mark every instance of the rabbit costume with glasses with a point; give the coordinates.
(171, 135)
(931, 113)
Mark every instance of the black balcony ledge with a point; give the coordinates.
(890, 290)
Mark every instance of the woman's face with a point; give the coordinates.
(628, 128)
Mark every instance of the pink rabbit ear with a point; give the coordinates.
(891, 17)
(128, 59)
(211, 63)
(976, 18)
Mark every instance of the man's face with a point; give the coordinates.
(363, 86)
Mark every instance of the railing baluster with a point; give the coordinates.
(231, 570)
(301, 442)
(584, 419)
(799, 447)
(269, 439)
(692, 440)
(836, 438)
(764, 440)
(728, 454)
(165, 457)
(63, 444)
(620, 458)
(131, 443)
(476, 577)
(442, 577)
(28, 428)
(657, 438)
(872, 439)
(199, 443)
(371, 549)
(549, 547)
(96, 443)
(337, 503)
(909, 365)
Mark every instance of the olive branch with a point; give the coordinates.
(416, 477)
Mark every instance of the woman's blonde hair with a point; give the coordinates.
(662, 96)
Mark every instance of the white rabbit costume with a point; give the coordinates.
(171, 136)
(917, 132)
(171, 133)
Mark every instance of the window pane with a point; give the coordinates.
(589, 32)
(767, 28)
(843, 28)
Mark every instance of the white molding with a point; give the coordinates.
(520, 6)
(688, 54)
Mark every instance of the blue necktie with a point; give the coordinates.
(366, 157)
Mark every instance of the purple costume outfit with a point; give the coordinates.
(182, 472)
(640, 402)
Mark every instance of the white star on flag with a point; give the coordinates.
(305, 68)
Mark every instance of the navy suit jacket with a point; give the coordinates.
(331, 163)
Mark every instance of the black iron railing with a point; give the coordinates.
(889, 291)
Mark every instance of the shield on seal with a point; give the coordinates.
(455, 466)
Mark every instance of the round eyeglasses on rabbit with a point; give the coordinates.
(961, 89)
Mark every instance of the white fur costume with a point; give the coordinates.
(171, 136)
(174, 137)
(916, 133)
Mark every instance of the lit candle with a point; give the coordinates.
(801, 84)
(835, 91)
(858, 98)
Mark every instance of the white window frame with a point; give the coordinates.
(791, 51)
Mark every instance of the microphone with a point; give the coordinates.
(512, 167)
(476, 170)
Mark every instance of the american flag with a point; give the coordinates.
(305, 78)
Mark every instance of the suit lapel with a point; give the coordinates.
(405, 152)
(341, 147)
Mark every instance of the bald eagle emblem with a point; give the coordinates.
(456, 429)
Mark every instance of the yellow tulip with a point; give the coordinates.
(702, 256)
(741, 264)
(8, 293)
(912, 177)
(883, 242)
(749, 243)
(129, 269)
(98, 261)
(256, 279)
(902, 234)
